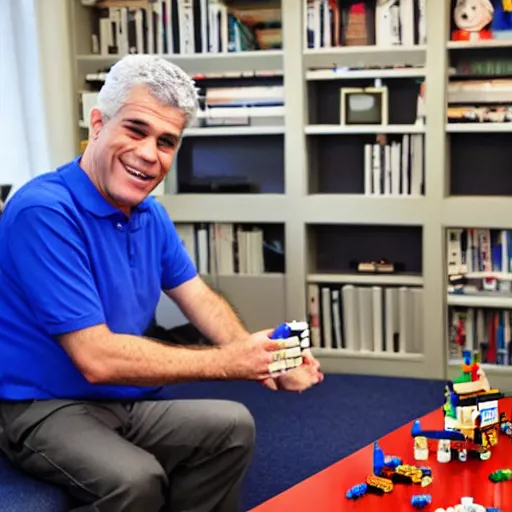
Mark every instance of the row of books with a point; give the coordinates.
(483, 331)
(396, 168)
(184, 27)
(257, 105)
(226, 248)
(479, 260)
(366, 318)
(339, 23)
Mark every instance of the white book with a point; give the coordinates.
(405, 164)
(224, 27)
(139, 31)
(454, 251)
(392, 317)
(387, 170)
(365, 311)
(326, 317)
(422, 22)
(187, 235)
(404, 301)
(377, 321)
(158, 15)
(407, 22)
(186, 24)
(106, 39)
(376, 166)
(326, 24)
(416, 164)
(170, 40)
(317, 22)
(150, 33)
(314, 314)
(417, 336)
(336, 319)
(350, 317)
(368, 162)
(395, 168)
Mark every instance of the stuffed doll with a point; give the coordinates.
(472, 18)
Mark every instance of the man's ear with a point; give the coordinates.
(96, 123)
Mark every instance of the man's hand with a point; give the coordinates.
(248, 359)
(299, 379)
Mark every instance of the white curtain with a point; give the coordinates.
(24, 150)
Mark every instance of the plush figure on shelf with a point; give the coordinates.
(472, 18)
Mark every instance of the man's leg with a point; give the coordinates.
(80, 446)
(205, 447)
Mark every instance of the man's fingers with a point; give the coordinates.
(270, 383)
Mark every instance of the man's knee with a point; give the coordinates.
(244, 430)
(145, 480)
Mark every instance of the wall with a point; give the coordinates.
(57, 75)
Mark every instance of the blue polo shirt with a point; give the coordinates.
(70, 260)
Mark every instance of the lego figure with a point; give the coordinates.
(472, 17)
(450, 404)
(444, 453)
(420, 448)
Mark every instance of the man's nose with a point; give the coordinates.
(147, 149)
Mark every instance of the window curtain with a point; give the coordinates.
(24, 151)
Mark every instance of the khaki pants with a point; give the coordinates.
(175, 456)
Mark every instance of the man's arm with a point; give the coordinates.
(121, 359)
(208, 311)
(104, 357)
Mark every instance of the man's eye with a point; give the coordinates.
(167, 143)
(137, 131)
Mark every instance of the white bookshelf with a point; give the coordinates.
(326, 129)
(299, 210)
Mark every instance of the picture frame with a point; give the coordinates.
(364, 106)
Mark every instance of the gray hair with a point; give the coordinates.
(167, 83)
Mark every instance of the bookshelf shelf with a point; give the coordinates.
(480, 301)
(363, 363)
(394, 356)
(477, 212)
(338, 208)
(226, 207)
(203, 63)
(369, 279)
(357, 74)
(479, 127)
(234, 130)
(333, 129)
(486, 44)
(362, 56)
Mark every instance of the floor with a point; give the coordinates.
(297, 434)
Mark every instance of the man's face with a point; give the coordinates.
(133, 151)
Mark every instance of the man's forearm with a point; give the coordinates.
(209, 312)
(131, 360)
(217, 320)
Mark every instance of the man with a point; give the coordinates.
(84, 254)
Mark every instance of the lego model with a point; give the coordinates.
(295, 336)
(472, 422)
(388, 471)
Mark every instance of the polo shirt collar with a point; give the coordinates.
(86, 193)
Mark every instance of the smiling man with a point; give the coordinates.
(84, 255)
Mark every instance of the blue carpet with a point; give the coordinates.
(297, 435)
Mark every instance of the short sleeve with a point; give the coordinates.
(50, 262)
(177, 265)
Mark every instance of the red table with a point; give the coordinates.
(326, 490)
